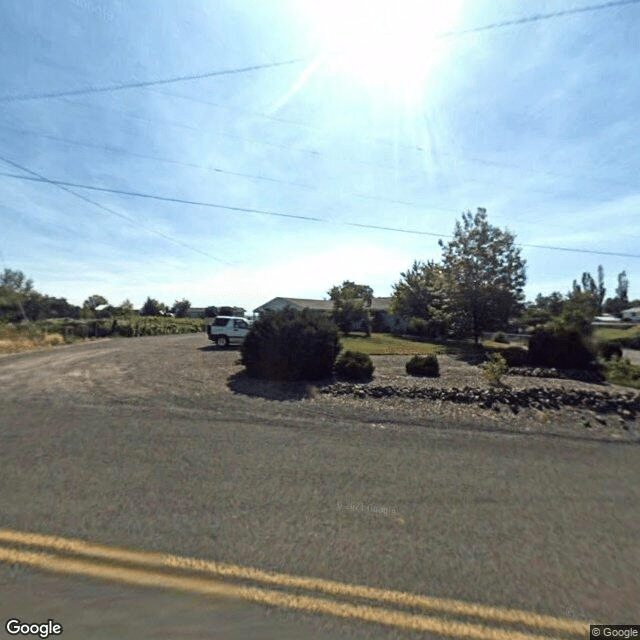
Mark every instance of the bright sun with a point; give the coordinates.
(385, 44)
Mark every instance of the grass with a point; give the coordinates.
(609, 333)
(18, 343)
(384, 344)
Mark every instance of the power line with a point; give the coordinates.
(536, 17)
(149, 157)
(269, 65)
(64, 187)
(149, 83)
(136, 194)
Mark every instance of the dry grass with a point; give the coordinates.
(20, 343)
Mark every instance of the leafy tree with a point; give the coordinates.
(211, 312)
(617, 305)
(14, 288)
(484, 275)
(601, 289)
(181, 308)
(93, 302)
(579, 311)
(419, 292)
(351, 304)
(552, 303)
(152, 307)
(232, 311)
(622, 290)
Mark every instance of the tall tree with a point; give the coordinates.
(93, 302)
(484, 274)
(152, 307)
(601, 289)
(622, 290)
(15, 287)
(419, 292)
(589, 284)
(181, 308)
(351, 303)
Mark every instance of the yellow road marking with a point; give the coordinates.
(153, 559)
(262, 596)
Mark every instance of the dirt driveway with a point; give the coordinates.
(187, 371)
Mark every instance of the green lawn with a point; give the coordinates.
(609, 333)
(388, 345)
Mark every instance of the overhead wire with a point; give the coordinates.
(34, 176)
(149, 83)
(236, 209)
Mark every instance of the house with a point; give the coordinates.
(382, 319)
(631, 315)
(604, 320)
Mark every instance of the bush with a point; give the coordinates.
(501, 338)
(560, 347)
(607, 350)
(429, 329)
(621, 371)
(423, 366)
(354, 365)
(495, 368)
(515, 356)
(417, 327)
(290, 345)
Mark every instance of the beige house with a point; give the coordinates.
(379, 308)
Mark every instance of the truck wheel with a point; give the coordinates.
(222, 341)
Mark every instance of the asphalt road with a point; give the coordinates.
(544, 525)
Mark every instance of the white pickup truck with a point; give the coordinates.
(226, 330)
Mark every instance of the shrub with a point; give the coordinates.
(423, 366)
(515, 356)
(607, 350)
(495, 368)
(417, 327)
(501, 338)
(621, 371)
(560, 347)
(290, 345)
(354, 365)
(430, 329)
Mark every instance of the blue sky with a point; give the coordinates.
(381, 122)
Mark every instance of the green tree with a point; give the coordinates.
(211, 312)
(601, 289)
(622, 290)
(152, 307)
(181, 308)
(93, 302)
(552, 303)
(14, 289)
(351, 304)
(484, 275)
(579, 310)
(419, 292)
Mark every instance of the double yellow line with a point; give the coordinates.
(163, 571)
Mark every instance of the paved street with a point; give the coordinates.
(539, 524)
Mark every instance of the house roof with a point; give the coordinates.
(377, 304)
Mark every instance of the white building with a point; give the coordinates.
(631, 315)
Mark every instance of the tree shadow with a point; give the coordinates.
(280, 390)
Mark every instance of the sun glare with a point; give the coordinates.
(392, 46)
